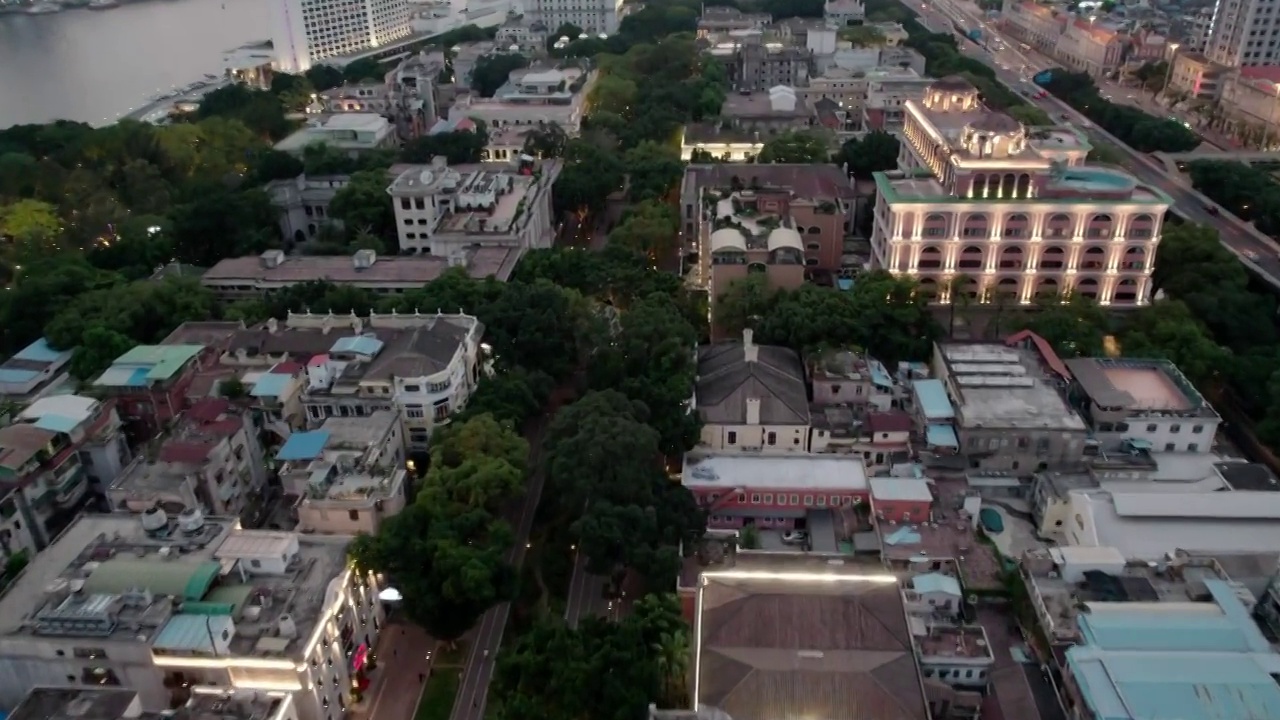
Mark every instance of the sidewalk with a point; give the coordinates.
(404, 653)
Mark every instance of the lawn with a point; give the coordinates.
(439, 695)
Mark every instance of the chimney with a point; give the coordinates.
(753, 411)
(749, 348)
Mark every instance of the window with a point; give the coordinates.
(782, 498)
(1175, 428)
(1193, 447)
(89, 653)
(733, 438)
(412, 388)
(255, 563)
(1170, 447)
(822, 501)
(835, 501)
(1151, 427)
(755, 498)
(795, 499)
(808, 500)
(353, 514)
(742, 498)
(772, 438)
(1197, 429)
(414, 411)
(768, 498)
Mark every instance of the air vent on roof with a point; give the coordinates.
(191, 520)
(155, 520)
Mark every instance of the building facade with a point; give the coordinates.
(347, 476)
(1244, 33)
(1147, 404)
(149, 384)
(444, 211)
(752, 398)
(593, 16)
(144, 602)
(987, 208)
(775, 493)
(212, 461)
(305, 32)
(32, 370)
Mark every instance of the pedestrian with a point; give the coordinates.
(422, 677)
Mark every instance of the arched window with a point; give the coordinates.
(1011, 258)
(930, 258)
(1053, 258)
(970, 258)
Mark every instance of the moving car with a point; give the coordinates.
(1211, 209)
(795, 537)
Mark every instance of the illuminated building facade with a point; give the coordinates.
(173, 605)
(1005, 213)
(305, 32)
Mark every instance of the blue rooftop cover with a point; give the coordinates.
(271, 385)
(1231, 631)
(138, 378)
(39, 351)
(936, 582)
(8, 375)
(932, 398)
(879, 373)
(304, 445)
(192, 633)
(358, 344)
(902, 536)
(1174, 686)
(942, 436)
(57, 423)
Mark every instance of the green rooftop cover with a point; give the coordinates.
(189, 581)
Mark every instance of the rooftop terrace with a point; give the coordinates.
(107, 703)
(943, 642)
(1143, 387)
(1005, 387)
(137, 578)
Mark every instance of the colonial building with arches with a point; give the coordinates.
(987, 208)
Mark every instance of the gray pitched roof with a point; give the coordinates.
(807, 651)
(726, 381)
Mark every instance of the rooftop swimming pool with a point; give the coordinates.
(1096, 179)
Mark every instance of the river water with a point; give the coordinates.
(96, 65)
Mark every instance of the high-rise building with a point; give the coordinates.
(987, 208)
(307, 31)
(1245, 32)
(593, 16)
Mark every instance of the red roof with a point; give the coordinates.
(889, 421)
(1043, 347)
(286, 368)
(318, 361)
(1270, 73)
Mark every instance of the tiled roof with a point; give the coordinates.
(726, 381)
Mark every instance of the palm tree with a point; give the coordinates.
(672, 651)
(956, 291)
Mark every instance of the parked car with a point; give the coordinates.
(795, 537)
(1211, 209)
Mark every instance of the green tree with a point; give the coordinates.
(1075, 326)
(651, 228)
(30, 222)
(798, 146)
(491, 71)
(459, 146)
(362, 205)
(877, 151)
(653, 170)
(590, 175)
(1029, 115)
(98, 348)
(447, 564)
(476, 464)
(1168, 330)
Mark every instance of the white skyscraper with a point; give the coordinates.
(1245, 32)
(307, 31)
(593, 16)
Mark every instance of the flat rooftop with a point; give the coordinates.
(1150, 536)
(940, 643)
(408, 270)
(1006, 387)
(838, 473)
(774, 643)
(948, 535)
(108, 703)
(1140, 386)
(86, 584)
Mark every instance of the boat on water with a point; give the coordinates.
(103, 4)
(44, 8)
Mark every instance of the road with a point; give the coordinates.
(586, 594)
(1013, 68)
(473, 689)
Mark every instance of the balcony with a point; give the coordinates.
(70, 487)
